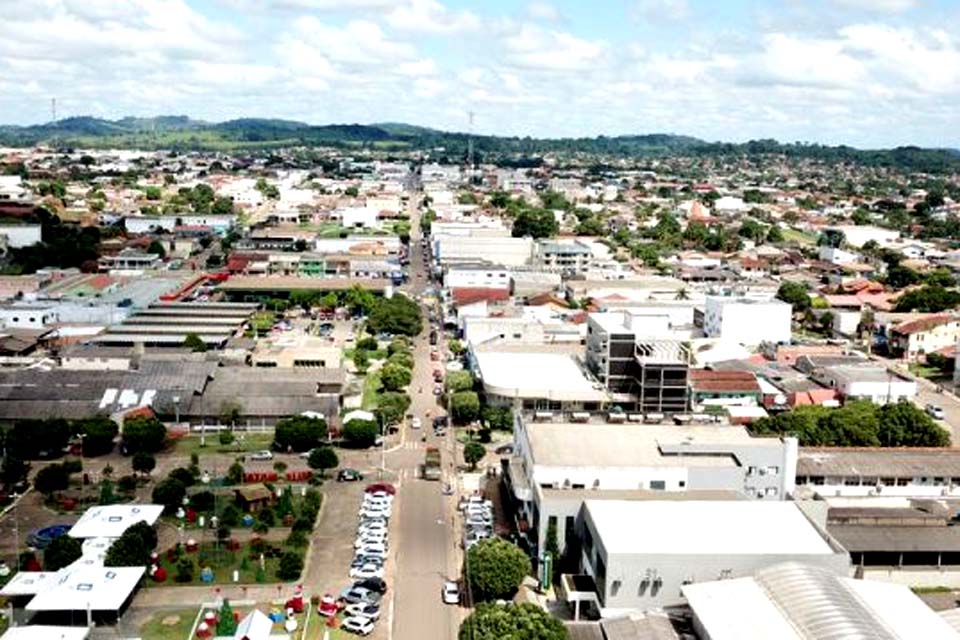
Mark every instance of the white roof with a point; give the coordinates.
(28, 583)
(536, 375)
(359, 414)
(111, 521)
(255, 626)
(46, 632)
(797, 602)
(99, 588)
(705, 527)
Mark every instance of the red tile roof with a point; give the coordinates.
(923, 324)
(706, 380)
(470, 295)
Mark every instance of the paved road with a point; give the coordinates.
(424, 532)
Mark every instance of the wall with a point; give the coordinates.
(510, 252)
(21, 235)
(748, 323)
(485, 278)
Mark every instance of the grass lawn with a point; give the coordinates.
(168, 625)
(798, 236)
(371, 390)
(250, 442)
(223, 563)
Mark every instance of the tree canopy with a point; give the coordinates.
(299, 433)
(795, 294)
(857, 424)
(61, 552)
(536, 223)
(525, 621)
(144, 434)
(464, 407)
(931, 298)
(323, 458)
(496, 568)
(396, 315)
(361, 433)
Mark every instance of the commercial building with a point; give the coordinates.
(746, 320)
(639, 555)
(927, 334)
(28, 316)
(168, 324)
(799, 601)
(859, 235)
(870, 382)
(563, 257)
(16, 236)
(255, 288)
(509, 252)
(296, 352)
(481, 275)
(556, 465)
(864, 472)
(155, 224)
(130, 260)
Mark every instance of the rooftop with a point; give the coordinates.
(897, 463)
(735, 528)
(537, 375)
(630, 445)
(111, 521)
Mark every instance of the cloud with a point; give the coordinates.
(429, 16)
(359, 42)
(880, 6)
(543, 11)
(547, 49)
(662, 9)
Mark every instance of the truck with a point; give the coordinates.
(431, 464)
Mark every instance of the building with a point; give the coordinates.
(536, 381)
(799, 601)
(747, 321)
(168, 324)
(927, 334)
(156, 224)
(870, 382)
(16, 236)
(130, 260)
(724, 388)
(641, 554)
(556, 465)
(296, 352)
(865, 472)
(509, 252)
(28, 316)
(632, 354)
(358, 217)
(562, 257)
(857, 236)
(481, 275)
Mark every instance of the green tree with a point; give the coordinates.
(291, 564)
(359, 301)
(143, 462)
(153, 193)
(402, 358)
(393, 377)
(61, 552)
(399, 344)
(170, 493)
(323, 458)
(361, 433)
(367, 344)
(500, 418)
(99, 433)
(235, 474)
(899, 276)
(473, 453)
(795, 294)
(535, 223)
(185, 569)
(299, 433)
(144, 434)
(52, 479)
(156, 248)
(903, 424)
(774, 235)
(133, 547)
(552, 547)
(222, 207)
(928, 299)
(464, 407)
(195, 343)
(391, 407)
(458, 381)
(226, 625)
(496, 569)
(361, 360)
(397, 315)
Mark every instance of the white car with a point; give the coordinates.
(366, 540)
(262, 455)
(367, 571)
(358, 624)
(416, 423)
(365, 610)
(379, 495)
(477, 520)
(475, 501)
(376, 502)
(450, 592)
(373, 549)
(375, 512)
(377, 526)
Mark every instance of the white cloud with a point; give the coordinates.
(359, 42)
(662, 9)
(422, 67)
(543, 11)
(429, 16)
(882, 6)
(547, 49)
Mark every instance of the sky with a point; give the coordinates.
(869, 73)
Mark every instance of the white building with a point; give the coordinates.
(16, 236)
(11, 188)
(358, 217)
(729, 204)
(867, 382)
(28, 316)
(641, 553)
(887, 477)
(152, 224)
(833, 255)
(537, 380)
(747, 321)
(479, 276)
(799, 601)
(857, 236)
(557, 465)
(509, 252)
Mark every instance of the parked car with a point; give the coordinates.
(381, 487)
(415, 423)
(935, 412)
(373, 584)
(262, 455)
(358, 625)
(374, 549)
(504, 450)
(354, 594)
(450, 592)
(349, 475)
(365, 610)
(440, 422)
(367, 571)
(360, 561)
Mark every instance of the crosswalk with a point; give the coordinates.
(411, 445)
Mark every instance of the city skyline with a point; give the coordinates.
(868, 74)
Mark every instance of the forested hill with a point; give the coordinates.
(183, 133)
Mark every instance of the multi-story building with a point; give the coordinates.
(558, 465)
(747, 321)
(563, 257)
(923, 335)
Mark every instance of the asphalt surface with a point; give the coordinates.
(424, 532)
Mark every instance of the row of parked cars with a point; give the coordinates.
(361, 601)
(477, 519)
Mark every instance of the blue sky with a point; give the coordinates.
(870, 73)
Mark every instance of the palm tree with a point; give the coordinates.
(682, 294)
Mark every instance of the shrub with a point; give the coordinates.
(291, 564)
(361, 433)
(169, 493)
(299, 433)
(185, 569)
(144, 434)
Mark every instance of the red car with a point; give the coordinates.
(381, 486)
